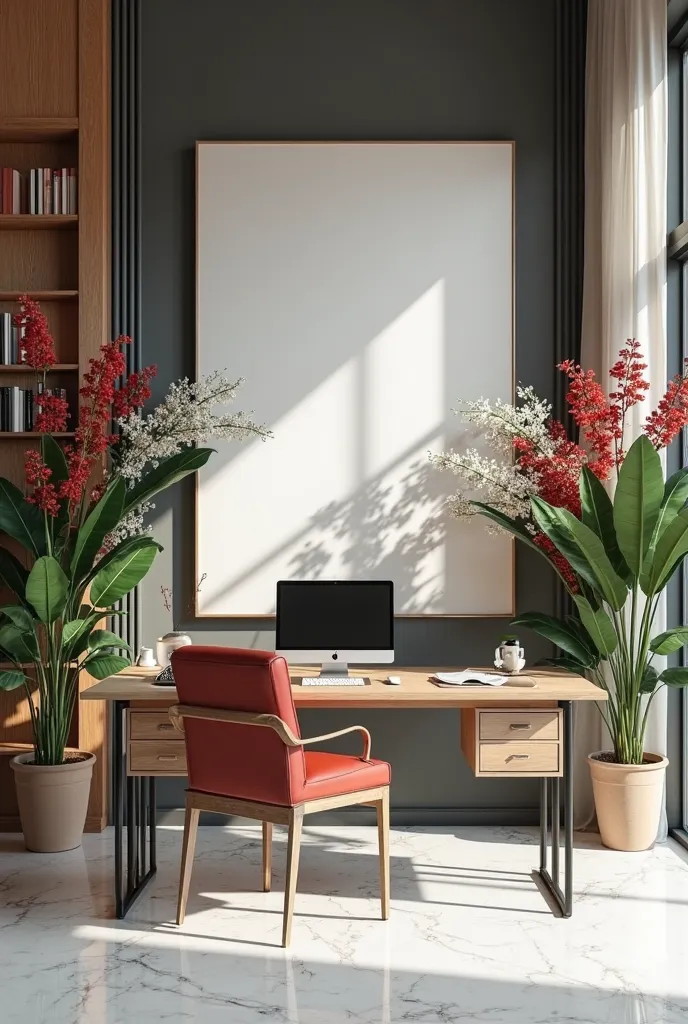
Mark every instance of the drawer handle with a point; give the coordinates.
(518, 757)
(165, 725)
(520, 725)
(168, 757)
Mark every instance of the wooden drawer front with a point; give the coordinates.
(519, 725)
(156, 757)
(151, 725)
(534, 757)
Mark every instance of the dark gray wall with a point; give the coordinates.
(350, 69)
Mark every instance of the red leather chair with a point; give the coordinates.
(245, 755)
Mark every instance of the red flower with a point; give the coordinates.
(53, 413)
(671, 415)
(38, 476)
(592, 412)
(557, 475)
(134, 393)
(36, 343)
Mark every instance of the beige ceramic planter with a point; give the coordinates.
(53, 800)
(628, 801)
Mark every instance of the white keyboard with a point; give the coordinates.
(333, 681)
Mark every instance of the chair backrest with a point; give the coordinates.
(245, 761)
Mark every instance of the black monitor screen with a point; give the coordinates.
(335, 616)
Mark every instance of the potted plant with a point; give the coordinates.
(614, 555)
(84, 547)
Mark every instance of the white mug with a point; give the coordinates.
(509, 658)
(145, 658)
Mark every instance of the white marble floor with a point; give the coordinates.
(470, 937)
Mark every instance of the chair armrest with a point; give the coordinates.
(178, 712)
(365, 756)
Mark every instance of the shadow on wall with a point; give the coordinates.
(381, 531)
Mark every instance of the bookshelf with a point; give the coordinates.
(54, 112)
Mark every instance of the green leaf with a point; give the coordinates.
(46, 588)
(20, 519)
(75, 634)
(674, 500)
(19, 643)
(649, 680)
(672, 640)
(130, 544)
(671, 548)
(558, 632)
(121, 575)
(11, 678)
(13, 574)
(104, 638)
(598, 516)
(99, 522)
(598, 625)
(19, 615)
(168, 471)
(100, 666)
(675, 676)
(637, 501)
(54, 458)
(547, 518)
(591, 551)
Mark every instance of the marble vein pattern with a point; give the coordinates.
(470, 938)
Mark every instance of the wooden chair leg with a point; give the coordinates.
(267, 855)
(382, 807)
(293, 850)
(188, 848)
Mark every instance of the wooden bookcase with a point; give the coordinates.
(54, 112)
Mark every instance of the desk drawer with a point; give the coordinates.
(151, 725)
(519, 725)
(157, 757)
(511, 757)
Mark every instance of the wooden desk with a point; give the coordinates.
(507, 731)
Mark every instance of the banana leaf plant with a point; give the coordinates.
(621, 554)
(52, 628)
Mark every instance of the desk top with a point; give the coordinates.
(415, 691)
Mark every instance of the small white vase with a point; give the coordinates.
(167, 644)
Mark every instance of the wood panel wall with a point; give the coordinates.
(54, 111)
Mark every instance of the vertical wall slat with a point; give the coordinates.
(126, 212)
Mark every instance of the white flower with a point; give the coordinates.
(499, 484)
(188, 415)
(502, 422)
(131, 525)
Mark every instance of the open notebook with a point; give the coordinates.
(468, 677)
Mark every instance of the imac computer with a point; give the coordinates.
(333, 623)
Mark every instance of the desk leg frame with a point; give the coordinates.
(134, 809)
(550, 796)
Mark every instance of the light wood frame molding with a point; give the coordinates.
(180, 711)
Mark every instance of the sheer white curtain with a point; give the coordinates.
(624, 288)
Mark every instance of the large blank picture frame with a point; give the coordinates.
(362, 290)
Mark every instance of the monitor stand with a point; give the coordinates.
(334, 668)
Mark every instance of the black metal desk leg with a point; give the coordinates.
(563, 898)
(134, 799)
(119, 768)
(567, 705)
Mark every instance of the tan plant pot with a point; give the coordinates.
(628, 801)
(53, 800)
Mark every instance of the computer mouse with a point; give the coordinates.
(393, 680)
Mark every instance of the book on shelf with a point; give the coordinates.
(41, 190)
(18, 406)
(10, 336)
